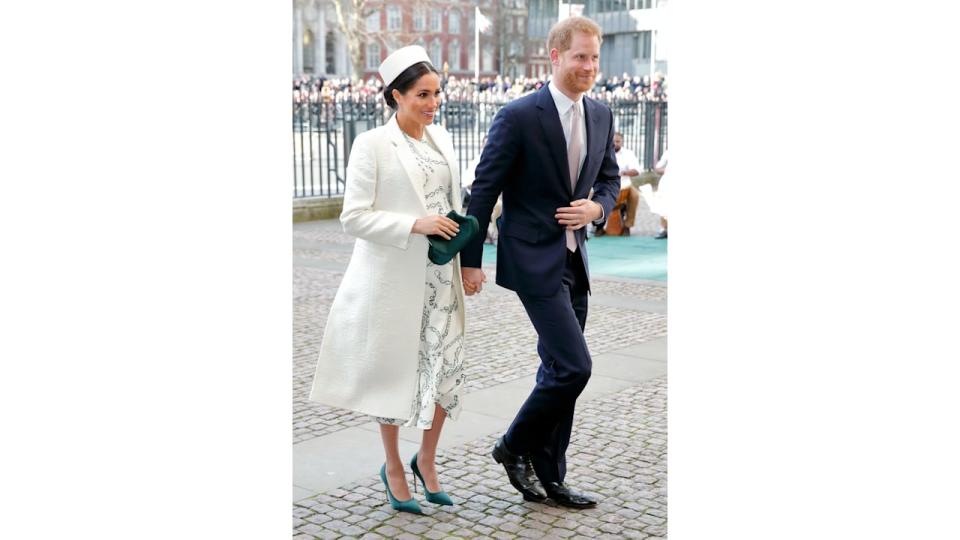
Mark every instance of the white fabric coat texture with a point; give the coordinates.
(368, 356)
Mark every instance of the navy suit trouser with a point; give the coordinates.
(542, 427)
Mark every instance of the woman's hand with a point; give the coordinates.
(439, 225)
(473, 280)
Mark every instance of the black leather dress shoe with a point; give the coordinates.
(520, 472)
(564, 496)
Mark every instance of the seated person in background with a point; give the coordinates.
(629, 195)
(659, 204)
(467, 180)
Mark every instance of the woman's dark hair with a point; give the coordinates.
(406, 80)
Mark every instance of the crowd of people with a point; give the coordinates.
(497, 89)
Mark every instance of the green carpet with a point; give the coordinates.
(640, 257)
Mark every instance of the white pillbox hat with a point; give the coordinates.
(399, 60)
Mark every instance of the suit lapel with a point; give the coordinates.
(592, 121)
(553, 133)
(407, 161)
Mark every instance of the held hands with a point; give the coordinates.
(578, 214)
(473, 280)
(436, 224)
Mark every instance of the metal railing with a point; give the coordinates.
(323, 133)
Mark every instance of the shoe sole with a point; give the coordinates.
(575, 506)
(526, 496)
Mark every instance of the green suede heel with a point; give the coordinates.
(411, 505)
(439, 497)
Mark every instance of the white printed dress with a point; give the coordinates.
(440, 365)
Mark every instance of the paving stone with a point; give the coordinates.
(311, 529)
(318, 519)
(509, 527)
(483, 530)
(416, 528)
(656, 530)
(388, 531)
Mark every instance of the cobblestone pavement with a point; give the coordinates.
(618, 452)
(628, 288)
(508, 352)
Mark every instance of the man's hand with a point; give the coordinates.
(578, 214)
(473, 280)
(630, 172)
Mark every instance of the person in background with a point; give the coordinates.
(469, 172)
(659, 203)
(629, 195)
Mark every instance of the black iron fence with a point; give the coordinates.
(323, 133)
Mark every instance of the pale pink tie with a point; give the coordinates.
(574, 148)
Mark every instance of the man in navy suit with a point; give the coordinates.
(544, 153)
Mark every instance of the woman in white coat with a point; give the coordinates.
(393, 344)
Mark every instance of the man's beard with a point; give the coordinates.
(574, 82)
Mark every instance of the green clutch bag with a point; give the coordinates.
(442, 250)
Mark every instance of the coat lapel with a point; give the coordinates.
(553, 133)
(405, 155)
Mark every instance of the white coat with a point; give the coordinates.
(369, 353)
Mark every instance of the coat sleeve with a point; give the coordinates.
(491, 175)
(359, 218)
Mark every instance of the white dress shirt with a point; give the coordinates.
(627, 160)
(565, 108)
(469, 173)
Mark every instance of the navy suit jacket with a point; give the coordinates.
(525, 159)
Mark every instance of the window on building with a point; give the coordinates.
(453, 55)
(373, 22)
(309, 55)
(435, 21)
(419, 19)
(331, 48)
(487, 62)
(436, 54)
(453, 22)
(394, 18)
(645, 45)
(520, 25)
(373, 55)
